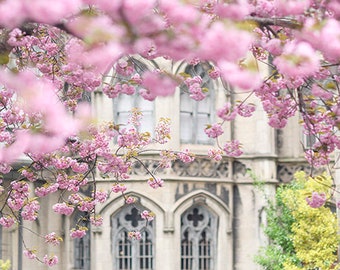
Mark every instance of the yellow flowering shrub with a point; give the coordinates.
(5, 265)
(314, 231)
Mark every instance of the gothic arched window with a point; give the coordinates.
(194, 116)
(198, 239)
(132, 254)
(82, 246)
(124, 103)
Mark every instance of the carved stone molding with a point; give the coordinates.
(285, 171)
(149, 165)
(202, 167)
(239, 170)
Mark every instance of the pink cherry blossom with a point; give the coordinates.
(196, 92)
(246, 110)
(226, 112)
(216, 44)
(155, 182)
(215, 154)
(53, 239)
(12, 11)
(233, 148)
(57, 57)
(16, 38)
(130, 200)
(236, 10)
(277, 122)
(16, 203)
(274, 46)
(100, 196)
(46, 189)
(30, 254)
(317, 200)
(42, 11)
(7, 222)
(319, 92)
(50, 260)
(124, 67)
(79, 233)
(291, 7)
(87, 205)
(158, 84)
(149, 216)
(238, 76)
(215, 73)
(96, 220)
(185, 156)
(116, 188)
(162, 130)
(63, 209)
(298, 60)
(135, 235)
(30, 175)
(30, 211)
(213, 131)
(167, 157)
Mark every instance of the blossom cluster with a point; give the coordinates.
(78, 233)
(53, 239)
(317, 200)
(155, 182)
(136, 235)
(149, 216)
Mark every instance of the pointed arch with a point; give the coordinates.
(120, 219)
(200, 196)
(202, 225)
(199, 228)
(128, 253)
(115, 204)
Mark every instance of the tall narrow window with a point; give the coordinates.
(132, 254)
(198, 239)
(308, 140)
(196, 115)
(124, 103)
(82, 246)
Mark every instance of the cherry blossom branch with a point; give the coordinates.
(281, 22)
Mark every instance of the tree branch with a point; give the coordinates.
(282, 22)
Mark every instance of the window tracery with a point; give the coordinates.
(131, 254)
(198, 239)
(82, 246)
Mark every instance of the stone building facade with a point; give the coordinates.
(209, 215)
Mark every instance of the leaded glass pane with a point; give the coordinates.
(82, 246)
(124, 255)
(132, 254)
(204, 252)
(194, 116)
(186, 253)
(198, 239)
(123, 104)
(145, 252)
